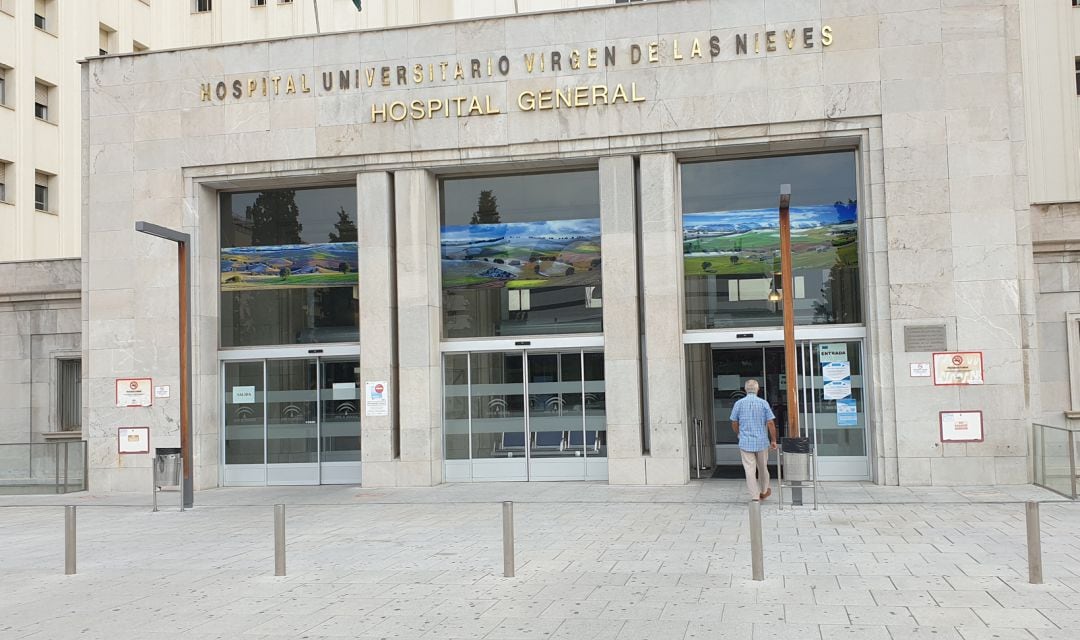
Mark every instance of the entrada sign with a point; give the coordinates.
(456, 72)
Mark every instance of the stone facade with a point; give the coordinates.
(40, 323)
(929, 93)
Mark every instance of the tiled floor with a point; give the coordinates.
(593, 561)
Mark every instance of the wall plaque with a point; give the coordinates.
(924, 337)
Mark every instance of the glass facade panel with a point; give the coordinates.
(292, 412)
(840, 421)
(340, 396)
(289, 267)
(456, 405)
(731, 242)
(244, 413)
(521, 255)
(498, 405)
(594, 441)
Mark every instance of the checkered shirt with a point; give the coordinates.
(752, 413)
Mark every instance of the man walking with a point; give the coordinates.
(750, 417)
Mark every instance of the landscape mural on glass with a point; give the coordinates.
(521, 255)
(746, 242)
(294, 263)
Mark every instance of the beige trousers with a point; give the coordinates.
(752, 461)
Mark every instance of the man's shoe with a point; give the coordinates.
(768, 492)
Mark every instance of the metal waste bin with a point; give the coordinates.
(167, 468)
(796, 458)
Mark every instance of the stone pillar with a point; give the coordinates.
(662, 279)
(378, 317)
(419, 297)
(622, 339)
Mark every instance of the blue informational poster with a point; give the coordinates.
(847, 413)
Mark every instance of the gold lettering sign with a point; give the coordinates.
(560, 61)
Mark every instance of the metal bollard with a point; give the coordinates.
(1034, 543)
(508, 539)
(69, 540)
(757, 562)
(279, 539)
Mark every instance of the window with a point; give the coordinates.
(42, 93)
(42, 182)
(107, 40)
(1077, 64)
(4, 170)
(69, 394)
(3, 85)
(289, 263)
(731, 248)
(45, 14)
(7, 6)
(521, 255)
(284, 1)
(201, 6)
(258, 3)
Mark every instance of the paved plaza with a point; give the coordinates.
(593, 562)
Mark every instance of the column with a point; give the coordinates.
(661, 272)
(622, 340)
(419, 296)
(378, 315)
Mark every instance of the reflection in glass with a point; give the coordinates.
(340, 411)
(244, 413)
(521, 255)
(292, 412)
(731, 242)
(289, 267)
(554, 403)
(497, 405)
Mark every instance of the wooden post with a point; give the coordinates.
(788, 288)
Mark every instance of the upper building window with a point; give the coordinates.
(42, 182)
(4, 170)
(1077, 63)
(107, 40)
(289, 263)
(45, 15)
(201, 6)
(42, 94)
(4, 85)
(521, 255)
(258, 3)
(731, 240)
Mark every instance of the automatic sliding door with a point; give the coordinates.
(292, 425)
(243, 422)
(339, 425)
(594, 441)
(497, 416)
(556, 417)
(731, 369)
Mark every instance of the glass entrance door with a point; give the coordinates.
(291, 422)
(831, 396)
(517, 415)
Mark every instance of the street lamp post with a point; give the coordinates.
(788, 289)
(183, 242)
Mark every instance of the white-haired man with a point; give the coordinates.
(754, 423)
